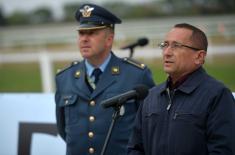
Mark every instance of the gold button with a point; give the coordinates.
(77, 74)
(91, 134)
(91, 150)
(75, 62)
(142, 65)
(92, 103)
(58, 70)
(91, 118)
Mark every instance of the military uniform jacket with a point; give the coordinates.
(200, 120)
(82, 122)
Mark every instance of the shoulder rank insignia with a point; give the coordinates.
(61, 70)
(134, 62)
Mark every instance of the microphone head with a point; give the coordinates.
(143, 41)
(142, 91)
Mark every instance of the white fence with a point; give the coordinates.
(154, 29)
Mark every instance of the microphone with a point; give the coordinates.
(138, 93)
(140, 42)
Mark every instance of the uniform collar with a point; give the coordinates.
(90, 68)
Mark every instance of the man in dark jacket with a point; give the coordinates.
(81, 120)
(189, 114)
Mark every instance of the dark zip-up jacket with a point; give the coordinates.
(198, 119)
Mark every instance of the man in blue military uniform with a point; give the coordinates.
(80, 88)
(191, 113)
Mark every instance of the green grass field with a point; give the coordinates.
(26, 77)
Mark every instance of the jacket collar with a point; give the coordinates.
(109, 77)
(104, 83)
(190, 84)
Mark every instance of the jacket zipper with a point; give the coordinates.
(170, 102)
(170, 96)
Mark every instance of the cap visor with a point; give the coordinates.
(91, 27)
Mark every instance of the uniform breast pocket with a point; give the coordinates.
(68, 102)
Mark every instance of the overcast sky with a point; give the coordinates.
(9, 6)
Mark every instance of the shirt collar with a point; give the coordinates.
(175, 85)
(90, 67)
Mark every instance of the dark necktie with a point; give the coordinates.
(96, 72)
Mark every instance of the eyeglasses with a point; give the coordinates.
(175, 45)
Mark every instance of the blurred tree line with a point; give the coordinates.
(160, 8)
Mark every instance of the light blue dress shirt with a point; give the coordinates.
(90, 67)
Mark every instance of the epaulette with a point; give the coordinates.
(62, 70)
(134, 62)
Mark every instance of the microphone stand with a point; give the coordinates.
(115, 116)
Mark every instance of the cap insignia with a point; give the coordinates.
(86, 11)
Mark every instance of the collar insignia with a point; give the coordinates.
(86, 11)
(115, 70)
(77, 74)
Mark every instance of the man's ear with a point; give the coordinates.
(110, 39)
(200, 57)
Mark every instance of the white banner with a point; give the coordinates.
(28, 125)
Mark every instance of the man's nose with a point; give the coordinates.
(168, 50)
(84, 37)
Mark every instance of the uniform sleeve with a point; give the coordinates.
(147, 78)
(135, 145)
(60, 122)
(221, 124)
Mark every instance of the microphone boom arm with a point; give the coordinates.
(140, 42)
(139, 92)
